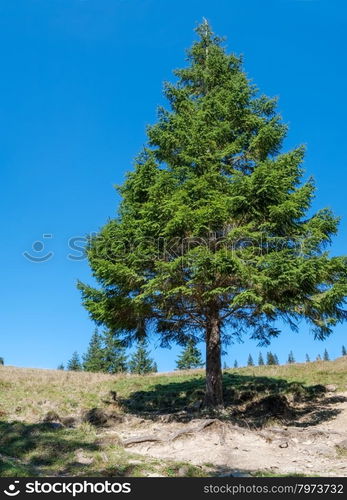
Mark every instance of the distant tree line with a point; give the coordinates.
(107, 354)
(272, 359)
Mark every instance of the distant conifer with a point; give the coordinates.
(190, 357)
(93, 360)
(113, 354)
(250, 361)
(270, 358)
(140, 361)
(291, 358)
(74, 364)
(326, 355)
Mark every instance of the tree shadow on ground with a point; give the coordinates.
(250, 401)
(30, 449)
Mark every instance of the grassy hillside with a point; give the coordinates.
(28, 445)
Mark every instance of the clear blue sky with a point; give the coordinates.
(80, 79)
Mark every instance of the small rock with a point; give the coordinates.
(82, 458)
(165, 419)
(343, 445)
(183, 471)
(284, 445)
(331, 387)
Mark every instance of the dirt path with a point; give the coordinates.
(308, 447)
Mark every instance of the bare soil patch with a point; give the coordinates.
(303, 440)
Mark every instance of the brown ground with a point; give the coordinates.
(307, 447)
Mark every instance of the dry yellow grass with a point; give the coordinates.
(27, 393)
(28, 447)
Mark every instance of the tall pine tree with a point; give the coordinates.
(212, 237)
(190, 357)
(344, 351)
(326, 355)
(261, 360)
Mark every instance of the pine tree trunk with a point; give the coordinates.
(214, 389)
